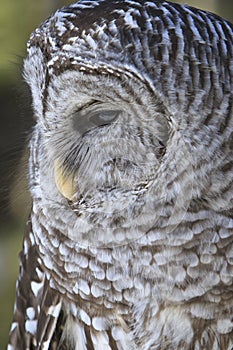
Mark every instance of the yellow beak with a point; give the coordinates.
(64, 181)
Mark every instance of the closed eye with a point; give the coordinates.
(104, 117)
(93, 116)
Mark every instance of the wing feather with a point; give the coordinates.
(37, 307)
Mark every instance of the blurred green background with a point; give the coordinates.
(17, 20)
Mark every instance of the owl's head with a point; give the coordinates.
(113, 93)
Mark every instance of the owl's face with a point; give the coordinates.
(104, 141)
(102, 146)
(108, 146)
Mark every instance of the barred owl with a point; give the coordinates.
(129, 244)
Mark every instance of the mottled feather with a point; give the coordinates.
(130, 240)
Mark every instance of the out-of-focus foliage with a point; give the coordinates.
(18, 18)
(208, 5)
(225, 9)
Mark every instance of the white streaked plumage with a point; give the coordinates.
(129, 245)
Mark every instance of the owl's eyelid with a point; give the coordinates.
(104, 116)
(87, 105)
(95, 114)
(95, 107)
(99, 106)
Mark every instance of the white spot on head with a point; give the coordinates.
(130, 21)
(60, 19)
(91, 42)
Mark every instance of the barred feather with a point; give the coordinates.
(130, 240)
